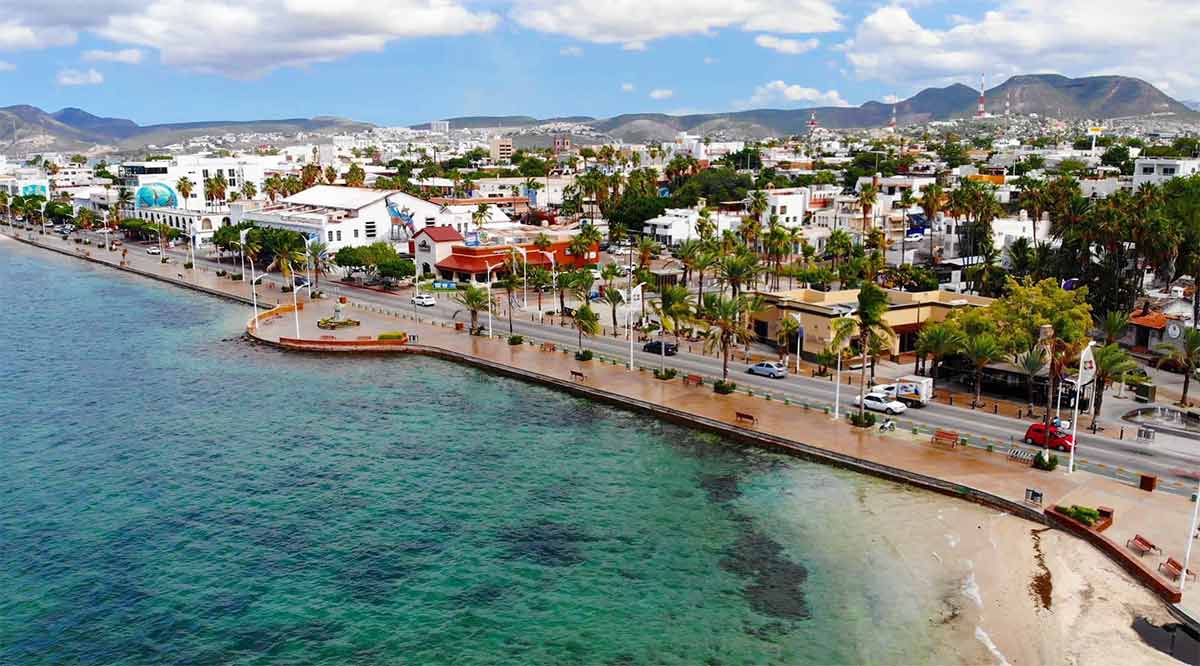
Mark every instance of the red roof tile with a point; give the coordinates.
(1151, 320)
(441, 234)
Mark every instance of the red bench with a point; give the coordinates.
(947, 438)
(695, 380)
(743, 417)
(1174, 569)
(1142, 545)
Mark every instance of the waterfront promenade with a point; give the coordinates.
(977, 474)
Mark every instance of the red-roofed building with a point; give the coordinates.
(431, 245)
(470, 263)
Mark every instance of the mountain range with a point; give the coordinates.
(1094, 97)
(26, 128)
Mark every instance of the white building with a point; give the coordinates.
(155, 183)
(25, 182)
(676, 225)
(1158, 170)
(548, 193)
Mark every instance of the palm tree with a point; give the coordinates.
(185, 187)
(867, 324)
(124, 199)
(586, 322)
(355, 176)
(1187, 354)
(838, 245)
(330, 175)
(938, 341)
(1020, 257)
(738, 271)
(249, 191)
(579, 249)
(866, 202)
(511, 282)
(705, 260)
(609, 272)
(318, 258)
(539, 279)
(480, 215)
(288, 250)
(646, 249)
(1111, 362)
(1114, 325)
(726, 319)
(981, 351)
(1030, 364)
(789, 328)
(614, 299)
(474, 299)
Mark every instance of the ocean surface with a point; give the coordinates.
(172, 494)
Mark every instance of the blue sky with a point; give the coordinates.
(408, 61)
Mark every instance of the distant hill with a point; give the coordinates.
(1194, 104)
(507, 122)
(1095, 97)
(26, 128)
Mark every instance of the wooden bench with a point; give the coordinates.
(547, 347)
(1106, 518)
(944, 438)
(577, 376)
(694, 380)
(1018, 454)
(1141, 545)
(1174, 569)
(743, 417)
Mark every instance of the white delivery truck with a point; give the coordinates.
(912, 390)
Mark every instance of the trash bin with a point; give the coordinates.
(1148, 483)
(458, 326)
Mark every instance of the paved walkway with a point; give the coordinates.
(1161, 517)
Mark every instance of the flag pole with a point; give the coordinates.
(1086, 364)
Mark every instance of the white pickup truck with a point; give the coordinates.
(912, 390)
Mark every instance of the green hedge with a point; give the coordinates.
(865, 420)
(1084, 514)
(393, 335)
(666, 373)
(515, 340)
(1042, 462)
(724, 387)
(585, 355)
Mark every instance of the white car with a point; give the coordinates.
(153, 250)
(914, 236)
(880, 402)
(770, 369)
(424, 300)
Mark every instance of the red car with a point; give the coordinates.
(1036, 435)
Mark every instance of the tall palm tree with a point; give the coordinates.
(614, 299)
(867, 324)
(866, 203)
(539, 279)
(1187, 354)
(288, 250)
(586, 322)
(727, 327)
(738, 271)
(249, 191)
(331, 175)
(789, 328)
(981, 351)
(938, 341)
(1030, 363)
(1114, 325)
(185, 187)
(646, 249)
(705, 260)
(1111, 363)
(480, 215)
(510, 282)
(838, 245)
(318, 258)
(474, 299)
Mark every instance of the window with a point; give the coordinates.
(230, 171)
(356, 233)
(339, 234)
(1168, 171)
(206, 173)
(331, 236)
(369, 227)
(783, 210)
(1148, 171)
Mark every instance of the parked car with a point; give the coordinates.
(914, 236)
(424, 300)
(656, 347)
(1051, 438)
(880, 402)
(772, 369)
(153, 249)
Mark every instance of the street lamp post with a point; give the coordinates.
(524, 274)
(253, 291)
(489, 293)
(295, 305)
(1187, 552)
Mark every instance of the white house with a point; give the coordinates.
(676, 225)
(1158, 170)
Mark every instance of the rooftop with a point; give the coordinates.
(334, 196)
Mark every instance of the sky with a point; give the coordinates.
(398, 62)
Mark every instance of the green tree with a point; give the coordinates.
(586, 322)
(727, 326)
(1186, 354)
(355, 176)
(185, 187)
(1030, 363)
(510, 282)
(981, 351)
(867, 324)
(614, 299)
(474, 299)
(1111, 363)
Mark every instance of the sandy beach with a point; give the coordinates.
(1015, 592)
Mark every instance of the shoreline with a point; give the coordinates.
(689, 419)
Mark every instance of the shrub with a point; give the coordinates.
(516, 340)
(585, 355)
(393, 335)
(235, 276)
(666, 373)
(187, 264)
(1084, 514)
(164, 260)
(287, 288)
(864, 420)
(222, 273)
(1042, 462)
(724, 387)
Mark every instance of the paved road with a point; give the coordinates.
(1097, 453)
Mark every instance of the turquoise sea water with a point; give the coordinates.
(172, 494)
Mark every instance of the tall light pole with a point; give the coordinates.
(1187, 552)
(192, 248)
(253, 291)
(524, 273)
(489, 293)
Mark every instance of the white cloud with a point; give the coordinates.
(126, 56)
(708, 60)
(788, 46)
(627, 87)
(890, 99)
(241, 38)
(1076, 37)
(777, 92)
(573, 51)
(75, 77)
(634, 24)
(662, 93)
(6, 66)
